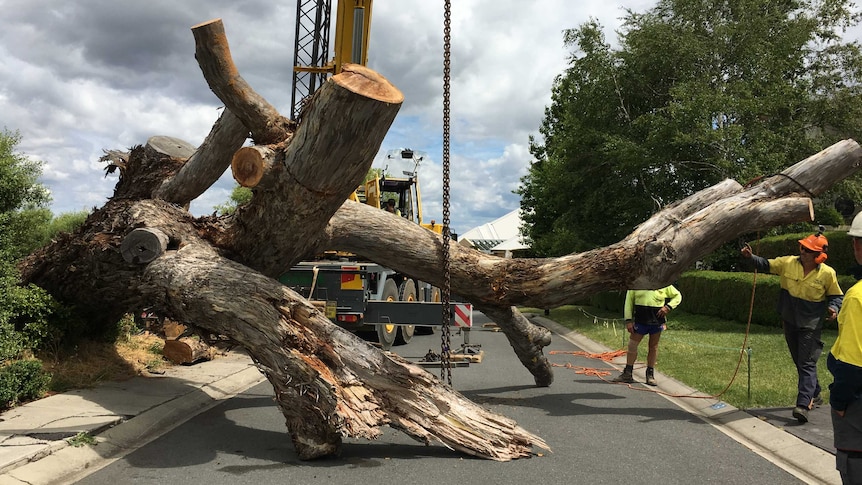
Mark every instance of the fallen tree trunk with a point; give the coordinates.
(328, 383)
(654, 255)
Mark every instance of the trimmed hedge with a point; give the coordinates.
(728, 296)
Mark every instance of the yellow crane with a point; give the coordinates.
(311, 61)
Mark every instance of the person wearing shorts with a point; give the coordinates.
(645, 313)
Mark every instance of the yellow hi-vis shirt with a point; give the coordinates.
(642, 304)
(815, 286)
(848, 345)
(803, 298)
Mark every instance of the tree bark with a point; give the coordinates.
(328, 383)
(214, 58)
(323, 375)
(208, 162)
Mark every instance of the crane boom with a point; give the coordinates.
(311, 61)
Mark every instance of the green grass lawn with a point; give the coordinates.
(703, 353)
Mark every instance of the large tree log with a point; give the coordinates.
(654, 255)
(328, 383)
(320, 371)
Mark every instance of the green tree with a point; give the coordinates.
(698, 91)
(25, 311)
(239, 195)
(24, 215)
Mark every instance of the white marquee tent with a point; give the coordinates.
(500, 236)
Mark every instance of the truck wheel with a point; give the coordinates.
(386, 334)
(407, 292)
(435, 297)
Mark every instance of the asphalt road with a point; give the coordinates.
(600, 433)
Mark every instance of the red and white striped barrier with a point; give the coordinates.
(463, 315)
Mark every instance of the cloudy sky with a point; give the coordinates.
(80, 76)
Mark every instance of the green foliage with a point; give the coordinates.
(697, 92)
(728, 296)
(21, 381)
(66, 222)
(19, 187)
(828, 215)
(374, 173)
(27, 316)
(609, 300)
(30, 319)
(23, 231)
(81, 439)
(23, 201)
(239, 196)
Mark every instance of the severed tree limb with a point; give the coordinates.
(317, 163)
(212, 52)
(250, 164)
(526, 339)
(329, 384)
(320, 164)
(208, 162)
(654, 255)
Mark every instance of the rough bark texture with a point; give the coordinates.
(213, 55)
(208, 162)
(328, 383)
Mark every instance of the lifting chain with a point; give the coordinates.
(445, 344)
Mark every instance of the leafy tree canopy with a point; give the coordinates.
(23, 200)
(698, 91)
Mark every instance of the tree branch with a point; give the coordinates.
(328, 383)
(316, 172)
(208, 162)
(212, 52)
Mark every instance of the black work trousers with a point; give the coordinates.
(805, 348)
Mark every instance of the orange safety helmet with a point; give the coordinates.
(817, 243)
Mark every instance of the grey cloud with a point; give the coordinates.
(79, 76)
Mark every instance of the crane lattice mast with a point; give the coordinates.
(311, 54)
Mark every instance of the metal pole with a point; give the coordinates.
(748, 351)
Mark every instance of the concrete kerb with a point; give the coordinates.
(60, 463)
(807, 462)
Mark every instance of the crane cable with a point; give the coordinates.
(445, 344)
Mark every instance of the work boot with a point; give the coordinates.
(816, 402)
(650, 378)
(801, 414)
(625, 376)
